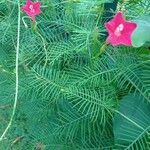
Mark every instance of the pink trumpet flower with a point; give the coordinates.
(32, 9)
(120, 30)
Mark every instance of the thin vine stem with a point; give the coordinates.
(102, 50)
(37, 32)
(17, 77)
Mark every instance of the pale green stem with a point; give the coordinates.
(23, 20)
(44, 45)
(17, 76)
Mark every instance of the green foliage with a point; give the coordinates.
(141, 35)
(132, 133)
(70, 97)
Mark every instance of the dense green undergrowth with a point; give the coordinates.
(72, 96)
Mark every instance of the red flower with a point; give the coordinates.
(120, 30)
(32, 9)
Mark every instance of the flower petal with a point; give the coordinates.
(113, 40)
(110, 26)
(119, 18)
(36, 5)
(126, 40)
(129, 27)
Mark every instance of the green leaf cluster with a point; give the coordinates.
(70, 97)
